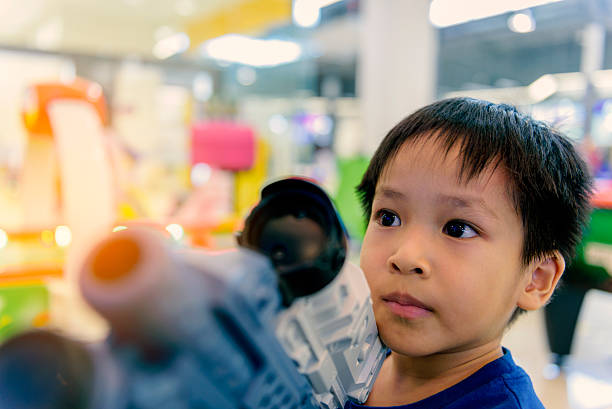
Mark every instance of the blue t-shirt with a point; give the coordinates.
(500, 384)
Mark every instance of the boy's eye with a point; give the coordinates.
(458, 229)
(387, 218)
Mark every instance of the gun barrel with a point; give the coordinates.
(130, 278)
(125, 267)
(116, 259)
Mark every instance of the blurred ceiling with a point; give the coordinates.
(117, 27)
(477, 54)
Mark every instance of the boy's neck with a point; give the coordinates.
(404, 379)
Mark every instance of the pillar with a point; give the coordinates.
(396, 71)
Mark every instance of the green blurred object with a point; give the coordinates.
(592, 265)
(350, 171)
(22, 307)
(590, 269)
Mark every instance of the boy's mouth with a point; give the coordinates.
(406, 306)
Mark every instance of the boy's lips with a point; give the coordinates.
(406, 305)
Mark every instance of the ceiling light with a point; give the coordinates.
(202, 86)
(278, 124)
(63, 236)
(50, 34)
(200, 174)
(251, 51)
(444, 13)
(172, 45)
(542, 88)
(3, 239)
(246, 76)
(522, 22)
(307, 13)
(176, 231)
(163, 32)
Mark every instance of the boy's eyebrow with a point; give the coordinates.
(390, 193)
(467, 202)
(456, 201)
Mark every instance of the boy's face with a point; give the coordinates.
(442, 258)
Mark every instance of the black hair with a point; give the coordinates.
(550, 183)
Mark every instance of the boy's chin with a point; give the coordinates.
(414, 347)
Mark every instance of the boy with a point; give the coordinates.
(474, 211)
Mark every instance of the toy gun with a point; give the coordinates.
(282, 322)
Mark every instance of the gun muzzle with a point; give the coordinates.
(126, 278)
(116, 259)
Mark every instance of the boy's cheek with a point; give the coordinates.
(369, 251)
(369, 276)
(372, 262)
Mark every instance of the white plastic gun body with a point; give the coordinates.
(328, 326)
(333, 339)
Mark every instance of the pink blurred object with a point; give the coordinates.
(602, 196)
(224, 145)
(210, 203)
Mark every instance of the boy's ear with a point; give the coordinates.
(544, 274)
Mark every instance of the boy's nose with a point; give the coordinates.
(410, 256)
(397, 269)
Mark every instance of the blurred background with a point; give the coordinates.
(174, 113)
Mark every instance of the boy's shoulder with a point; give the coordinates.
(501, 384)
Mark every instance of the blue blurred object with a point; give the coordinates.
(189, 330)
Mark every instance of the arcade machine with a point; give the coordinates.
(67, 195)
(590, 269)
(228, 168)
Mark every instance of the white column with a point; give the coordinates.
(396, 72)
(593, 50)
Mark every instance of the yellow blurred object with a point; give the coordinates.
(47, 237)
(35, 274)
(41, 319)
(22, 281)
(126, 212)
(5, 320)
(30, 256)
(228, 225)
(247, 17)
(30, 108)
(183, 175)
(249, 182)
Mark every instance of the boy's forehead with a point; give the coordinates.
(432, 154)
(433, 147)
(424, 149)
